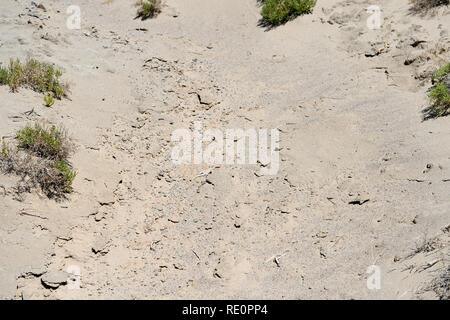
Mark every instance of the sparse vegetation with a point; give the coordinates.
(440, 92)
(41, 159)
(278, 12)
(38, 76)
(148, 8)
(441, 285)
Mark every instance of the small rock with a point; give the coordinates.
(428, 168)
(41, 6)
(105, 196)
(371, 52)
(178, 266)
(207, 98)
(322, 234)
(358, 198)
(359, 201)
(54, 279)
(409, 60)
(100, 246)
(33, 272)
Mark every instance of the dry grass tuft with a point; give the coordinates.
(441, 285)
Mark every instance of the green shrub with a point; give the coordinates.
(440, 92)
(148, 8)
(278, 12)
(441, 73)
(48, 143)
(440, 100)
(66, 174)
(38, 76)
(40, 159)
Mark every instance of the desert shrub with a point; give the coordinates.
(45, 142)
(54, 179)
(40, 159)
(148, 8)
(440, 92)
(38, 76)
(277, 12)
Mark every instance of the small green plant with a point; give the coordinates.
(440, 92)
(66, 173)
(5, 150)
(440, 100)
(48, 100)
(33, 74)
(45, 142)
(148, 8)
(278, 12)
(15, 74)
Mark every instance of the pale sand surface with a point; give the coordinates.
(138, 226)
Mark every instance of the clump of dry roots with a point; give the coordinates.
(424, 5)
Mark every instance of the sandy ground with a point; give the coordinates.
(363, 179)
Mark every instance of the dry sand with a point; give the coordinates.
(363, 179)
